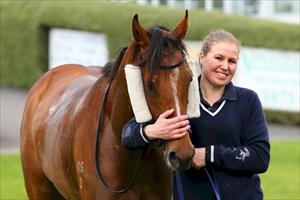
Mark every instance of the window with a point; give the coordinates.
(287, 6)
(251, 7)
(218, 4)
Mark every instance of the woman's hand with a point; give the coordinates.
(199, 158)
(168, 128)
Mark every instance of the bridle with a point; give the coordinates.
(98, 136)
(167, 67)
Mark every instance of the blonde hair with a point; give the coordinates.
(218, 36)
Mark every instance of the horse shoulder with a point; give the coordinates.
(48, 88)
(48, 115)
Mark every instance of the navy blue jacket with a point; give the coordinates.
(235, 135)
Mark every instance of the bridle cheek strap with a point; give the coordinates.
(193, 107)
(136, 93)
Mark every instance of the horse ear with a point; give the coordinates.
(182, 27)
(140, 35)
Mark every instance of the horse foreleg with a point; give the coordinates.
(38, 186)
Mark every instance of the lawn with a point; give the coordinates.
(280, 182)
(11, 178)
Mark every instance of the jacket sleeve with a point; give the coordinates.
(133, 135)
(254, 153)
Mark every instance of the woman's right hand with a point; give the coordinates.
(168, 128)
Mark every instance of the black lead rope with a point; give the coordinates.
(98, 169)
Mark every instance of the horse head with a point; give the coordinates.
(162, 80)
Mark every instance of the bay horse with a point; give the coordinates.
(62, 154)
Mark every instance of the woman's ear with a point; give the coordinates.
(201, 56)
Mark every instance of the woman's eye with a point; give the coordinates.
(232, 61)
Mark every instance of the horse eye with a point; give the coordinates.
(150, 86)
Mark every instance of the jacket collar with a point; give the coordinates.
(229, 92)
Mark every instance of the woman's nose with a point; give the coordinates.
(225, 65)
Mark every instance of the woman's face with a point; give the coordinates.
(220, 63)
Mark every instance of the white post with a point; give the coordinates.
(188, 4)
(142, 2)
(155, 2)
(171, 3)
(266, 8)
(208, 5)
(227, 6)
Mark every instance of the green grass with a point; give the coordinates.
(280, 182)
(11, 178)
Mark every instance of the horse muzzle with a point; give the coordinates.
(175, 162)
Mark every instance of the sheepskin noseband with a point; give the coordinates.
(136, 94)
(138, 100)
(193, 107)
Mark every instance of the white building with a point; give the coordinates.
(280, 10)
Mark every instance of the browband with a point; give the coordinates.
(169, 67)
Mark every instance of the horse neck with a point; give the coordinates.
(118, 111)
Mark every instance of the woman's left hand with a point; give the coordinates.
(199, 158)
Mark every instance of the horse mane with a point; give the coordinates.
(110, 69)
(160, 42)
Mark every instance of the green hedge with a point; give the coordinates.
(25, 26)
(282, 117)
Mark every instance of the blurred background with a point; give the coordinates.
(37, 35)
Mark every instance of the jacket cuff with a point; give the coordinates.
(143, 134)
(209, 154)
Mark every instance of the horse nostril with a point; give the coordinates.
(177, 163)
(174, 160)
(172, 155)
